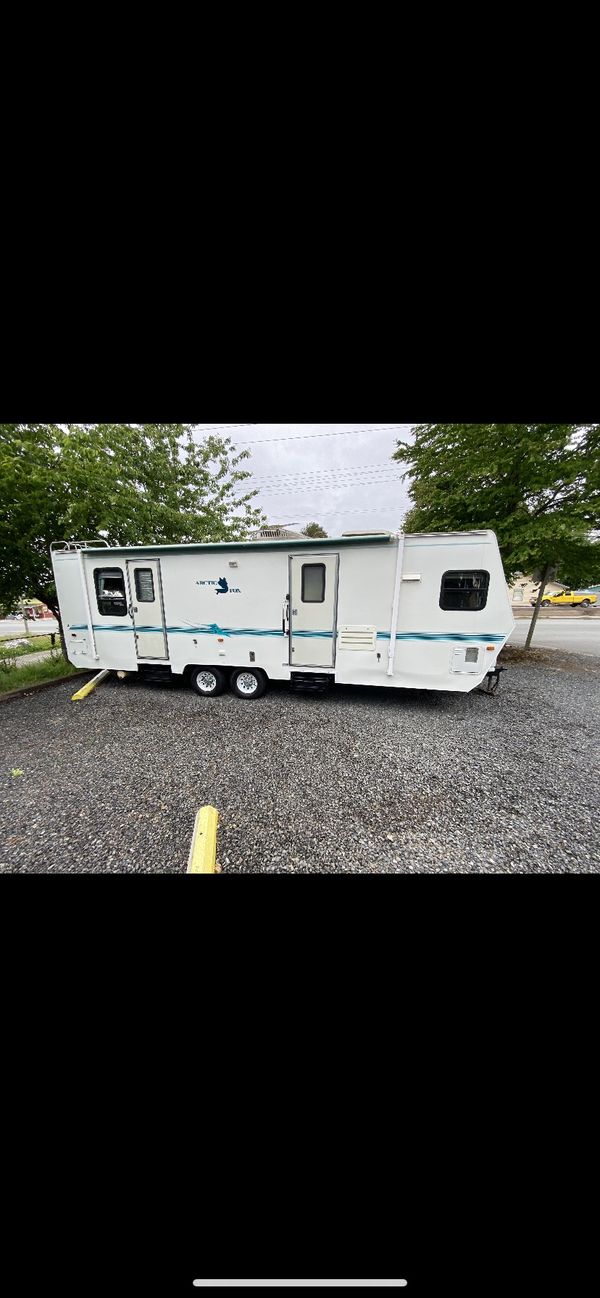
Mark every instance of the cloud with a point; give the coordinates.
(347, 482)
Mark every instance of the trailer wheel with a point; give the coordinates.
(207, 681)
(248, 684)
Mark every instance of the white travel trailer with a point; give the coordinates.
(418, 612)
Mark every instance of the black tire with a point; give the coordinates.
(585, 603)
(545, 603)
(201, 682)
(241, 683)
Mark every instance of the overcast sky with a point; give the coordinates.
(339, 475)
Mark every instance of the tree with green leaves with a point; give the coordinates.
(313, 529)
(537, 486)
(131, 484)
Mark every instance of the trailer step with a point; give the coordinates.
(314, 682)
(158, 673)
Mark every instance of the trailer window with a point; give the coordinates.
(110, 592)
(464, 591)
(144, 585)
(313, 583)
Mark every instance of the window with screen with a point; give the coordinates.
(313, 583)
(144, 585)
(110, 592)
(464, 592)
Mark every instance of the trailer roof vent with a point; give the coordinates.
(371, 533)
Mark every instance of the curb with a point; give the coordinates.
(90, 685)
(203, 850)
(34, 689)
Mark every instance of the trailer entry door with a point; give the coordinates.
(146, 608)
(313, 609)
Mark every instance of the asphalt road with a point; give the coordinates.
(573, 635)
(41, 626)
(354, 781)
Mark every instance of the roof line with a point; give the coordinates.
(290, 543)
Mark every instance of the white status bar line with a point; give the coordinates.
(273, 1284)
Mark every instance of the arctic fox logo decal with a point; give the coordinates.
(222, 585)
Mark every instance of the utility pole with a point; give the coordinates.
(538, 604)
(24, 616)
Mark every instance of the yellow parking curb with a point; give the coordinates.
(203, 851)
(91, 685)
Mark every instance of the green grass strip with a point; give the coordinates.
(20, 677)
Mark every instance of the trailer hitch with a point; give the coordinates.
(493, 680)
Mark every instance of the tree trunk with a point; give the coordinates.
(51, 602)
(538, 605)
(61, 633)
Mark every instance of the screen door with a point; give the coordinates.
(313, 604)
(146, 608)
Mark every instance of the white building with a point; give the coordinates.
(524, 589)
(275, 532)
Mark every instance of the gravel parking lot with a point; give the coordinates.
(356, 781)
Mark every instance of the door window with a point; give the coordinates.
(144, 585)
(110, 592)
(313, 583)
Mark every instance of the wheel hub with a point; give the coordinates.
(247, 683)
(206, 680)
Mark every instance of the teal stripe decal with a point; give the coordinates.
(74, 627)
(213, 629)
(207, 629)
(313, 635)
(222, 630)
(445, 635)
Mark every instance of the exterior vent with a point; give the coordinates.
(465, 660)
(357, 637)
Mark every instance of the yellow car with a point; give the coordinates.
(570, 597)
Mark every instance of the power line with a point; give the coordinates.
(374, 475)
(319, 474)
(332, 513)
(318, 484)
(373, 509)
(363, 476)
(360, 473)
(314, 475)
(346, 513)
(215, 427)
(321, 484)
(299, 437)
(307, 493)
(298, 500)
(333, 468)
